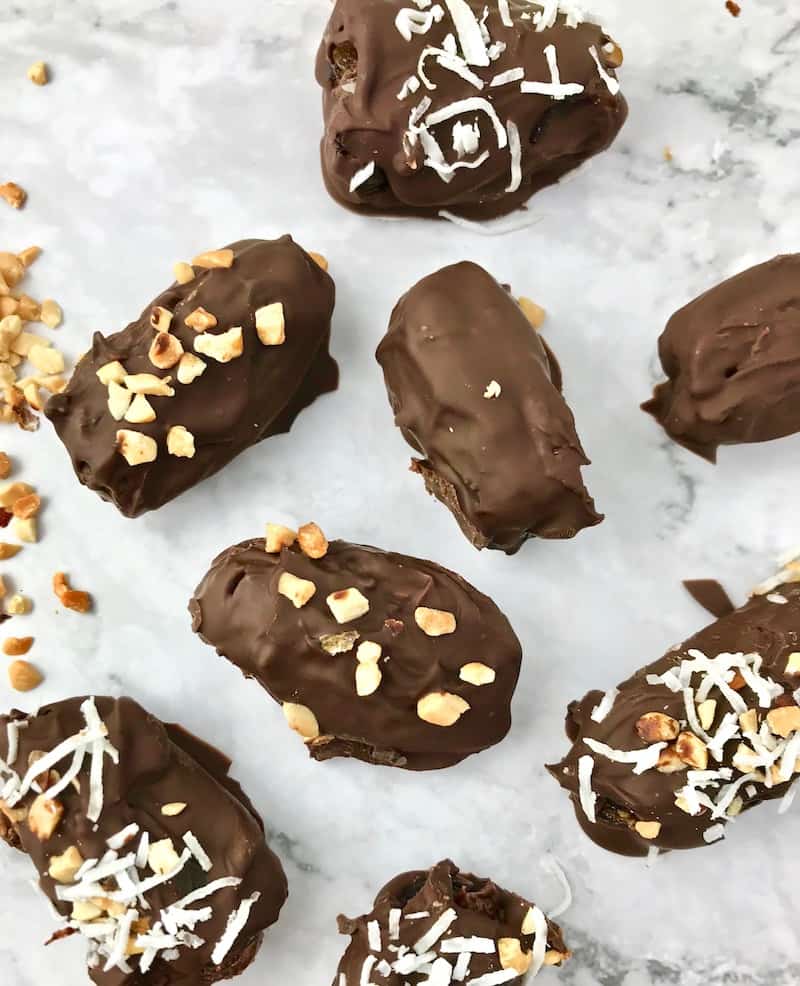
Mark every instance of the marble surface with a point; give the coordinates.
(174, 127)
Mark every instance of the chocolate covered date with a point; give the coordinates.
(461, 106)
(689, 742)
(373, 655)
(227, 356)
(477, 393)
(445, 926)
(732, 358)
(142, 841)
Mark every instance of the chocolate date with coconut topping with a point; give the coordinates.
(372, 654)
(142, 841)
(461, 106)
(227, 356)
(477, 393)
(689, 742)
(732, 358)
(442, 925)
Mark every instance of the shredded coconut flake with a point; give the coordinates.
(611, 83)
(504, 78)
(461, 968)
(604, 706)
(410, 22)
(494, 978)
(374, 936)
(469, 32)
(552, 865)
(586, 795)
(235, 926)
(505, 13)
(123, 837)
(515, 150)
(556, 89)
(193, 845)
(435, 932)
(483, 946)
(642, 760)
(362, 175)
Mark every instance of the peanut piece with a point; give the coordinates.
(200, 320)
(434, 622)
(13, 194)
(64, 867)
(476, 673)
(347, 605)
(45, 817)
(271, 324)
(302, 720)
(183, 272)
(140, 411)
(223, 347)
(441, 708)
(297, 591)
(16, 646)
(37, 73)
(312, 541)
(180, 442)
(279, 537)
(214, 258)
(137, 449)
(23, 676)
(190, 368)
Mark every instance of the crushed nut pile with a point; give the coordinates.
(24, 394)
(19, 509)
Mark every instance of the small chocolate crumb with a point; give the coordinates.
(733, 8)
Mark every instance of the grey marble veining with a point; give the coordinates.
(174, 127)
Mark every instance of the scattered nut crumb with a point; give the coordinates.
(14, 194)
(319, 259)
(668, 154)
(24, 677)
(27, 506)
(75, 599)
(8, 550)
(5, 465)
(493, 390)
(17, 646)
(38, 74)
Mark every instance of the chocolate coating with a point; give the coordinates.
(238, 610)
(364, 61)
(159, 764)
(232, 405)
(763, 627)
(732, 357)
(508, 467)
(483, 910)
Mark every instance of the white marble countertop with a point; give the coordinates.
(171, 127)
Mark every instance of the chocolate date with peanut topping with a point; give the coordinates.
(143, 842)
(461, 108)
(477, 393)
(441, 926)
(227, 356)
(732, 358)
(689, 742)
(373, 655)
